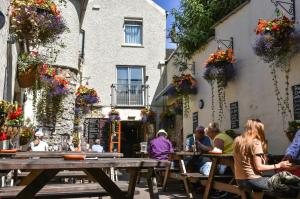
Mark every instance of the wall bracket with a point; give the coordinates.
(287, 5)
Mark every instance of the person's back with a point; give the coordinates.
(97, 148)
(160, 146)
(228, 142)
(39, 146)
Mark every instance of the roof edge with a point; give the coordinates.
(231, 13)
(155, 5)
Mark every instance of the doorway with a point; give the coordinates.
(131, 137)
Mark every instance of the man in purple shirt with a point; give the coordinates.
(160, 146)
(293, 151)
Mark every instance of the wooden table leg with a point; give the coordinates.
(152, 184)
(164, 185)
(134, 173)
(212, 172)
(30, 177)
(36, 182)
(112, 189)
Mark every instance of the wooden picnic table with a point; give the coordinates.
(44, 169)
(56, 154)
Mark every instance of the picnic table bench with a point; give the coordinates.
(44, 169)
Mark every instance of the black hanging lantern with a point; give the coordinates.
(2, 20)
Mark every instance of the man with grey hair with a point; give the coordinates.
(97, 147)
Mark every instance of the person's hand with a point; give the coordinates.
(287, 158)
(284, 164)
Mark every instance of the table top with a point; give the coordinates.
(60, 163)
(51, 154)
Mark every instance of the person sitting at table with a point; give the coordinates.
(249, 151)
(38, 144)
(96, 147)
(221, 141)
(199, 142)
(161, 146)
(293, 151)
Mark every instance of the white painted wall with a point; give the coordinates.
(253, 86)
(103, 25)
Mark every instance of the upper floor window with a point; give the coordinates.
(133, 31)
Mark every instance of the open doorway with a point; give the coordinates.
(131, 137)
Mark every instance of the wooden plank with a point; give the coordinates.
(30, 177)
(212, 172)
(152, 184)
(50, 154)
(132, 182)
(63, 190)
(58, 163)
(113, 190)
(37, 184)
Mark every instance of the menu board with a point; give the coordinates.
(296, 101)
(234, 115)
(97, 128)
(195, 121)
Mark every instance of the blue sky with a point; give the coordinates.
(168, 5)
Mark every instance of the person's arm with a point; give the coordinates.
(259, 166)
(219, 143)
(293, 150)
(204, 147)
(171, 149)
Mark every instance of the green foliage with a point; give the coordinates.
(194, 19)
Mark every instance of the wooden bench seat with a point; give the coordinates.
(61, 174)
(196, 177)
(53, 191)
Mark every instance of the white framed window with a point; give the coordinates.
(133, 32)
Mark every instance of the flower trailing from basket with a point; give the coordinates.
(27, 64)
(85, 97)
(53, 79)
(113, 115)
(148, 116)
(15, 116)
(184, 85)
(275, 45)
(37, 21)
(219, 70)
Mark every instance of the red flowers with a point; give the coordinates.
(3, 136)
(277, 25)
(15, 114)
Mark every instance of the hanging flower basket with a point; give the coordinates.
(26, 68)
(148, 116)
(184, 84)
(276, 39)
(38, 21)
(276, 45)
(113, 115)
(219, 70)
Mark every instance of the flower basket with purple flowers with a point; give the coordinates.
(276, 45)
(113, 115)
(37, 21)
(218, 71)
(148, 116)
(85, 98)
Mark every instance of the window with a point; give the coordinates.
(130, 88)
(133, 32)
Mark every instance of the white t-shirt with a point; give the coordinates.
(97, 148)
(42, 146)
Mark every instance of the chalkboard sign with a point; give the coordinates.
(234, 115)
(195, 121)
(296, 101)
(97, 128)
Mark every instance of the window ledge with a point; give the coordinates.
(132, 46)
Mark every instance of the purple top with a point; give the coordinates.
(160, 147)
(294, 149)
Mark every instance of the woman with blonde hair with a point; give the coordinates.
(250, 151)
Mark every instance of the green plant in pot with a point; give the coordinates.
(27, 68)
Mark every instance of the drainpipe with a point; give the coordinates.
(81, 56)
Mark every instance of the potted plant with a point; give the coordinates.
(218, 71)
(293, 127)
(15, 116)
(148, 116)
(36, 21)
(26, 132)
(275, 45)
(85, 98)
(27, 64)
